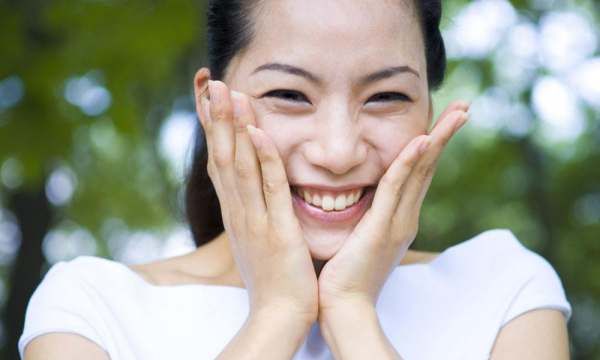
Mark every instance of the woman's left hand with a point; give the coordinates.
(357, 272)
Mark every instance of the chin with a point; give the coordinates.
(324, 244)
(326, 233)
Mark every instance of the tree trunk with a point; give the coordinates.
(34, 215)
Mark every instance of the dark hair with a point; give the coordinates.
(230, 31)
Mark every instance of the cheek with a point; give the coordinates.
(285, 131)
(388, 139)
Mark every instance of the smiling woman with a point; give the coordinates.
(316, 153)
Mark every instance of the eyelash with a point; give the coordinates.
(394, 95)
(275, 93)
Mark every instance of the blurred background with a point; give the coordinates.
(96, 117)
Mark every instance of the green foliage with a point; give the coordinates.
(134, 48)
(144, 53)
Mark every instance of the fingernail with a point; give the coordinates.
(254, 137)
(251, 129)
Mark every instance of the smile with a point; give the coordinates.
(329, 201)
(332, 206)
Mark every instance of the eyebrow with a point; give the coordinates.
(370, 78)
(387, 73)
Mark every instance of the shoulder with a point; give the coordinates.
(66, 301)
(81, 277)
(75, 273)
(498, 250)
(81, 266)
(496, 260)
(91, 272)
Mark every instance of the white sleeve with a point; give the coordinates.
(543, 289)
(60, 304)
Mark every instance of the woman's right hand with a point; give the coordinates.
(251, 184)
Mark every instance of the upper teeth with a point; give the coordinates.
(328, 201)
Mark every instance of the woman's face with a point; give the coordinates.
(341, 88)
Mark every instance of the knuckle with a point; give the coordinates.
(407, 162)
(243, 170)
(239, 127)
(423, 172)
(391, 184)
(220, 112)
(222, 159)
(268, 156)
(272, 186)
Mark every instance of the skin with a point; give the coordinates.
(338, 132)
(339, 137)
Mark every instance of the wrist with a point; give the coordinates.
(284, 315)
(268, 333)
(353, 331)
(348, 307)
(348, 311)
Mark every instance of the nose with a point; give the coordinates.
(338, 145)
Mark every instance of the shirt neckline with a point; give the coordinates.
(133, 274)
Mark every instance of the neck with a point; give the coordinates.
(218, 256)
(219, 249)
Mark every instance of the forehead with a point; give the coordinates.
(347, 34)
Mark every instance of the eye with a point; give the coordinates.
(389, 96)
(288, 95)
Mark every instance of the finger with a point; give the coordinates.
(246, 161)
(453, 106)
(276, 189)
(418, 183)
(389, 188)
(210, 166)
(203, 111)
(223, 141)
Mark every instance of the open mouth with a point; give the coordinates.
(333, 207)
(328, 201)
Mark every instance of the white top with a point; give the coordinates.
(450, 308)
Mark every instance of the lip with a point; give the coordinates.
(353, 213)
(333, 189)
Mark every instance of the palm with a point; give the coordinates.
(352, 274)
(382, 237)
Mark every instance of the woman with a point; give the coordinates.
(317, 118)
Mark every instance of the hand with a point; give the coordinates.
(254, 194)
(357, 272)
